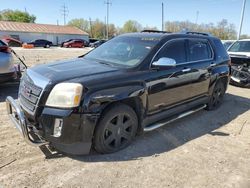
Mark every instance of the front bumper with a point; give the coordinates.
(77, 132)
(14, 74)
(240, 78)
(17, 117)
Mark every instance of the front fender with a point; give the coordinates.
(94, 102)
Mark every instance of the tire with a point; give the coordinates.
(216, 98)
(116, 129)
(47, 46)
(69, 46)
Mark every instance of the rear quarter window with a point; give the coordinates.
(199, 49)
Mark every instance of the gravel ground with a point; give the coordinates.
(206, 149)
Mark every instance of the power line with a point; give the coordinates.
(107, 26)
(65, 12)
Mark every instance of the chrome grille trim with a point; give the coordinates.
(31, 89)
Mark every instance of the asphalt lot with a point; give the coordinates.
(206, 149)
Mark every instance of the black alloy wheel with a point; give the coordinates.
(217, 96)
(116, 129)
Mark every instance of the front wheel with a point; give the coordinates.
(116, 129)
(217, 96)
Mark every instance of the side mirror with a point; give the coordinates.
(164, 62)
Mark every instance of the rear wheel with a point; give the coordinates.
(47, 46)
(217, 96)
(116, 129)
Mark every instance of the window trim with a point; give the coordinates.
(188, 62)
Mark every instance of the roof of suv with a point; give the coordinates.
(161, 34)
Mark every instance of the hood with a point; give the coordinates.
(70, 69)
(239, 54)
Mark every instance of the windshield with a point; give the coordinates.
(123, 51)
(240, 46)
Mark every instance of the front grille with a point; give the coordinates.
(29, 94)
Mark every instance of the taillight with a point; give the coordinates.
(5, 49)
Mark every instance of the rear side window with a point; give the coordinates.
(175, 50)
(199, 50)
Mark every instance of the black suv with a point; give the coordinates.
(131, 84)
(41, 43)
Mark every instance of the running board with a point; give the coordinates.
(160, 124)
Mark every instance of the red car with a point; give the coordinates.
(12, 42)
(74, 44)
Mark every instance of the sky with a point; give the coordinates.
(146, 12)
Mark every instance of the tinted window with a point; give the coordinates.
(175, 50)
(199, 50)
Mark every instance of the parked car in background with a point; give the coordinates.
(227, 43)
(97, 43)
(92, 40)
(240, 59)
(133, 83)
(86, 43)
(7, 68)
(12, 42)
(41, 43)
(73, 43)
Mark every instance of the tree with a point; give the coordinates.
(150, 28)
(222, 29)
(16, 16)
(131, 26)
(112, 30)
(80, 23)
(244, 36)
(98, 29)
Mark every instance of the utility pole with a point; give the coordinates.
(65, 12)
(90, 24)
(242, 18)
(162, 16)
(197, 17)
(107, 26)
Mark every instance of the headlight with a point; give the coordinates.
(65, 95)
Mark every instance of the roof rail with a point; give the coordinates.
(195, 33)
(153, 31)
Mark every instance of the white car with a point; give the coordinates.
(239, 52)
(8, 71)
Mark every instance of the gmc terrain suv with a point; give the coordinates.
(131, 84)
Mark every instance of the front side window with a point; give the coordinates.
(199, 50)
(127, 51)
(175, 50)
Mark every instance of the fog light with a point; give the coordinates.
(58, 127)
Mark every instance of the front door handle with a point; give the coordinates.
(186, 69)
(212, 64)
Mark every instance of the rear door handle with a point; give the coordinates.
(186, 69)
(212, 64)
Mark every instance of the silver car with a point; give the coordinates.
(8, 70)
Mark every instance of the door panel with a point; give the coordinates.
(181, 83)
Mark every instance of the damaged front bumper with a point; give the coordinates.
(76, 133)
(18, 119)
(240, 77)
